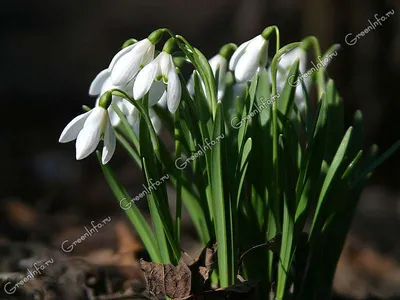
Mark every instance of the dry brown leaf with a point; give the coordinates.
(202, 267)
(167, 279)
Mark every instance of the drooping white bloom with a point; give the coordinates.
(127, 62)
(284, 65)
(88, 129)
(162, 67)
(217, 62)
(249, 58)
(103, 83)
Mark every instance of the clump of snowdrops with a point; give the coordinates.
(261, 152)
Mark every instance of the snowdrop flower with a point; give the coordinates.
(249, 58)
(127, 62)
(284, 65)
(89, 128)
(162, 67)
(103, 83)
(217, 62)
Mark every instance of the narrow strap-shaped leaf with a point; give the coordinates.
(225, 270)
(333, 173)
(286, 98)
(133, 213)
(158, 199)
(289, 201)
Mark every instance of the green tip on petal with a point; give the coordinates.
(169, 45)
(129, 42)
(105, 100)
(267, 32)
(228, 50)
(155, 36)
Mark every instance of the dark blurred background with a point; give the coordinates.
(51, 51)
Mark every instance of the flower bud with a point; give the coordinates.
(155, 36)
(105, 100)
(169, 45)
(228, 50)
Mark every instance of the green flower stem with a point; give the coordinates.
(140, 107)
(320, 72)
(267, 33)
(275, 144)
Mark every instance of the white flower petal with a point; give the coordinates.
(288, 59)
(237, 55)
(114, 119)
(145, 79)
(108, 85)
(256, 43)
(166, 63)
(163, 100)
(133, 118)
(157, 90)
(136, 127)
(155, 120)
(109, 144)
(73, 128)
(128, 64)
(221, 90)
(87, 141)
(126, 107)
(119, 55)
(174, 91)
(89, 137)
(190, 85)
(219, 62)
(97, 83)
(148, 54)
(125, 69)
(247, 66)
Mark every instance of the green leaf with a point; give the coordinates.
(378, 162)
(286, 99)
(241, 173)
(225, 269)
(335, 121)
(133, 213)
(308, 183)
(158, 199)
(333, 173)
(289, 201)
